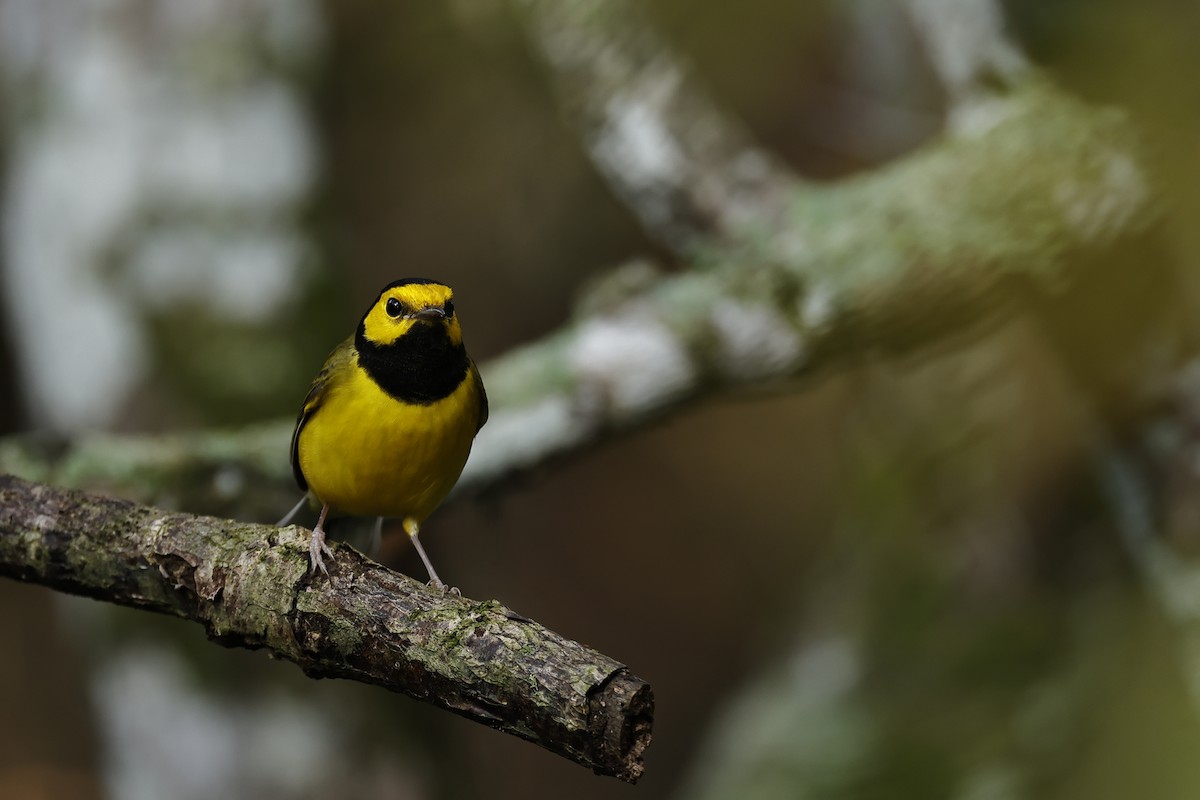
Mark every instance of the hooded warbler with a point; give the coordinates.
(388, 422)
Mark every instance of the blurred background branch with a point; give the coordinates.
(688, 171)
(896, 259)
(969, 47)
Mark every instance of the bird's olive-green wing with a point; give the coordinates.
(483, 403)
(338, 361)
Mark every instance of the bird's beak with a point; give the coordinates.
(431, 313)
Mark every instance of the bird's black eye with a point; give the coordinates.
(448, 307)
(393, 307)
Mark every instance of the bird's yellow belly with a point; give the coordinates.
(366, 453)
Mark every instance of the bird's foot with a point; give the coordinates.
(315, 549)
(443, 588)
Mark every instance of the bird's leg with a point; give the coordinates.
(318, 546)
(292, 514)
(376, 543)
(412, 529)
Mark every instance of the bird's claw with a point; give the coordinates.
(315, 549)
(443, 588)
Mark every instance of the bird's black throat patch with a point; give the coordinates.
(421, 367)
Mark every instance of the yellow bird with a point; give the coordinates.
(388, 423)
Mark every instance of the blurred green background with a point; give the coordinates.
(898, 580)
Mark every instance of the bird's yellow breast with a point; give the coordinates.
(363, 452)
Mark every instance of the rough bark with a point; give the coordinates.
(249, 586)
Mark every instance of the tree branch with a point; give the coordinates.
(248, 586)
(896, 259)
(814, 276)
(968, 48)
(242, 472)
(1150, 483)
(687, 170)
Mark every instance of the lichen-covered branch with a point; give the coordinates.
(901, 257)
(248, 585)
(1151, 485)
(895, 259)
(968, 47)
(686, 169)
(243, 473)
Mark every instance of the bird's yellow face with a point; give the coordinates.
(408, 303)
